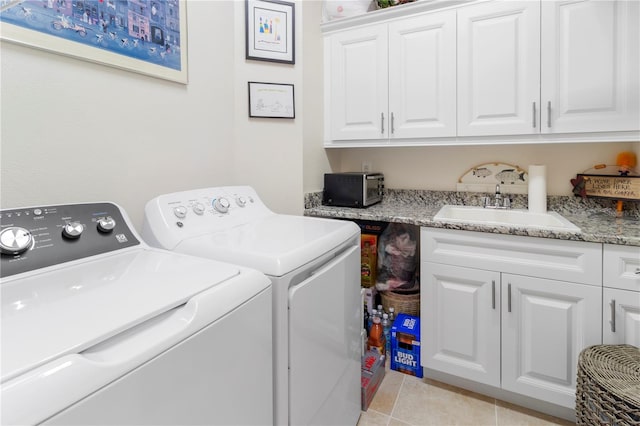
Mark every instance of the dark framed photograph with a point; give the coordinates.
(270, 31)
(271, 100)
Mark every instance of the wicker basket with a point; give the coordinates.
(401, 303)
(608, 386)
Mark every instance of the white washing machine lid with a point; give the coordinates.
(68, 310)
(275, 244)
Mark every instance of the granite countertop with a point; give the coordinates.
(595, 217)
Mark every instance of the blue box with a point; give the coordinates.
(405, 345)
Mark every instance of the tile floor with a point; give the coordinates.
(404, 400)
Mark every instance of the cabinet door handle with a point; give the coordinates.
(637, 271)
(392, 124)
(549, 114)
(382, 123)
(534, 115)
(493, 294)
(612, 304)
(509, 298)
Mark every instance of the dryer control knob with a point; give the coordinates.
(198, 208)
(221, 205)
(106, 224)
(72, 230)
(180, 212)
(241, 201)
(15, 240)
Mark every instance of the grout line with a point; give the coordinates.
(395, 402)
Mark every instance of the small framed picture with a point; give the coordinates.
(270, 31)
(271, 100)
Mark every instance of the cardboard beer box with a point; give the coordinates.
(368, 264)
(372, 375)
(405, 345)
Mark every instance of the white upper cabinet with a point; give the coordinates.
(498, 68)
(590, 62)
(357, 66)
(392, 81)
(422, 83)
(501, 71)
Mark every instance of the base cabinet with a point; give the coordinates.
(545, 325)
(621, 295)
(462, 321)
(492, 325)
(621, 317)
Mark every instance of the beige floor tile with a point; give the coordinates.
(433, 403)
(387, 393)
(396, 422)
(514, 415)
(373, 418)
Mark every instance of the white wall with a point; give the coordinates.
(74, 131)
(438, 168)
(316, 160)
(268, 152)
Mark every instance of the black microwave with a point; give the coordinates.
(352, 189)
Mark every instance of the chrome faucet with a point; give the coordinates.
(500, 202)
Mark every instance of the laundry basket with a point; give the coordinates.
(401, 303)
(608, 386)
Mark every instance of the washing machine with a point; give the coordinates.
(99, 328)
(314, 266)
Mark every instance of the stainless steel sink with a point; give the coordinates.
(505, 217)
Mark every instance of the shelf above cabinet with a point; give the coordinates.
(489, 140)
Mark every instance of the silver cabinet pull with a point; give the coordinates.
(509, 297)
(549, 114)
(612, 304)
(493, 293)
(382, 123)
(534, 115)
(392, 124)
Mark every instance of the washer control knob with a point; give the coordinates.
(106, 224)
(221, 205)
(180, 212)
(241, 201)
(198, 208)
(72, 230)
(15, 240)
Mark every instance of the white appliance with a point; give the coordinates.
(99, 328)
(314, 265)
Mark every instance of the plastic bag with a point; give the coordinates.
(336, 9)
(398, 255)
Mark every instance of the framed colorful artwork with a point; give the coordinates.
(271, 100)
(270, 31)
(147, 37)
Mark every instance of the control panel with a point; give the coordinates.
(37, 237)
(173, 217)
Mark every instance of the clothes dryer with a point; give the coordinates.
(99, 328)
(314, 265)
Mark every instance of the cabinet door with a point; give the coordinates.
(358, 85)
(461, 322)
(422, 76)
(498, 68)
(545, 325)
(590, 56)
(620, 317)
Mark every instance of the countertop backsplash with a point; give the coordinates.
(596, 217)
(557, 203)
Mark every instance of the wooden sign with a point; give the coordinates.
(617, 187)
